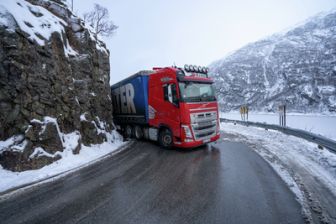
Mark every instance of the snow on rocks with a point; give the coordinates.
(82, 117)
(68, 158)
(44, 143)
(39, 23)
(40, 152)
(11, 142)
(36, 21)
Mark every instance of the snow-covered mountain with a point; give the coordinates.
(296, 67)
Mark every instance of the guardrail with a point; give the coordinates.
(318, 139)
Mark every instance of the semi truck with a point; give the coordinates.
(173, 106)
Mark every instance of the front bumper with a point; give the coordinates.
(194, 144)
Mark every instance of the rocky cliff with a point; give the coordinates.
(54, 84)
(296, 68)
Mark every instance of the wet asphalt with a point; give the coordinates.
(222, 183)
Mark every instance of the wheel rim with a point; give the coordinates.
(129, 131)
(138, 133)
(167, 139)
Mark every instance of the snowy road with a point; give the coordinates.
(223, 183)
(309, 171)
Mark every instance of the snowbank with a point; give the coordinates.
(321, 163)
(301, 164)
(68, 162)
(316, 123)
(69, 159)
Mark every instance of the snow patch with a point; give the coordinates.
(71, 140)
(308, 90)
(47, 120)
(7, 20)
(10, 141)
(34, 20)
(276, 88)
(82, 117)
(20, 147)
(69, 161)
(25, 15)
(40, 24)
(38, 152)
(326, 89)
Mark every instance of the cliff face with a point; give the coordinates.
(297, 67)
(54, 84)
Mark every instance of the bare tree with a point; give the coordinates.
(98, 18)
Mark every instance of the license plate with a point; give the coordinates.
(206, 140)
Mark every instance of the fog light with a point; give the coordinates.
(187, 131)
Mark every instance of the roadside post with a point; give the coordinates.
(244, 113)
(282, 115)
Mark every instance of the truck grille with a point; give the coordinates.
(204, 125)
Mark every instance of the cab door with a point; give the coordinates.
(171, 111)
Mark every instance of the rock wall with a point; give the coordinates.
(51, 89)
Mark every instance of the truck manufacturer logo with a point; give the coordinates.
(123, 99)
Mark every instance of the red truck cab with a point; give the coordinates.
(182, 108)
(184, 101)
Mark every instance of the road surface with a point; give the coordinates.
(222, 183)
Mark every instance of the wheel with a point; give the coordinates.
(165, 138)
(129, 131)
(138, 132)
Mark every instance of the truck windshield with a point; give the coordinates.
(196, 92)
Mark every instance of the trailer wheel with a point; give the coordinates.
(138, 132)
(165, 138)
(129, 131)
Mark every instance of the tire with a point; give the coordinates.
(166, 138)
(138, 132)
(128, 131)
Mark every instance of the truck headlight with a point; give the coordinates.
(187, 131)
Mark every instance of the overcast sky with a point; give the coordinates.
(160, 33)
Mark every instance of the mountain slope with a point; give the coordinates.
(297, 67)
